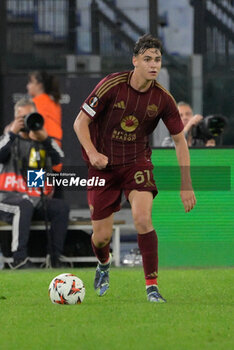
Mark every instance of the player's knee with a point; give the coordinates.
(101, 238)
(142, 221)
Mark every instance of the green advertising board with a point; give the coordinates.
(204, 236)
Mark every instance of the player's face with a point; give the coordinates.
(148, 64)
(186, 113)
(34, 87)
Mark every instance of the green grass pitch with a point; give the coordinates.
(198, 314)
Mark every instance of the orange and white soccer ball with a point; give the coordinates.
(66, 289)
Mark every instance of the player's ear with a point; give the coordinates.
(134, 61)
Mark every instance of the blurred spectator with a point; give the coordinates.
(20, 151)
(189, 120)
(44, 90)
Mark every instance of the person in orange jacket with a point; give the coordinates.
(45, 93)
(44, 90)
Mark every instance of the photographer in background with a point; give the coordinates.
(190, 121)
(22, 148)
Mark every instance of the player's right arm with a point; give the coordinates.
(81, 127)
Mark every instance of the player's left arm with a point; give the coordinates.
(182, 153)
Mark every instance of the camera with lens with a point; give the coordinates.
(33, 121)
(211, 127)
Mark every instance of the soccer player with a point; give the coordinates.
(113, 127)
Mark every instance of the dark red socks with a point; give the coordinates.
(103, 253)
(148, 245)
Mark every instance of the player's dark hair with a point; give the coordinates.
(49, 82)
(146, 42)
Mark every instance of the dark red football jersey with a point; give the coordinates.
(122, 118)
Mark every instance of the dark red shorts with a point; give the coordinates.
(105, 200)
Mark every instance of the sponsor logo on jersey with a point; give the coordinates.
(129, 123)
(152, 110)
(124, 136)
(120, 105)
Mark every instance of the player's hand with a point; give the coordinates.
(188, 199)
(39, 135)
(17, 124)
(98, 160)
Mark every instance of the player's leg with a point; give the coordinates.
(102, 232)
(141, 203)
(103, 202)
